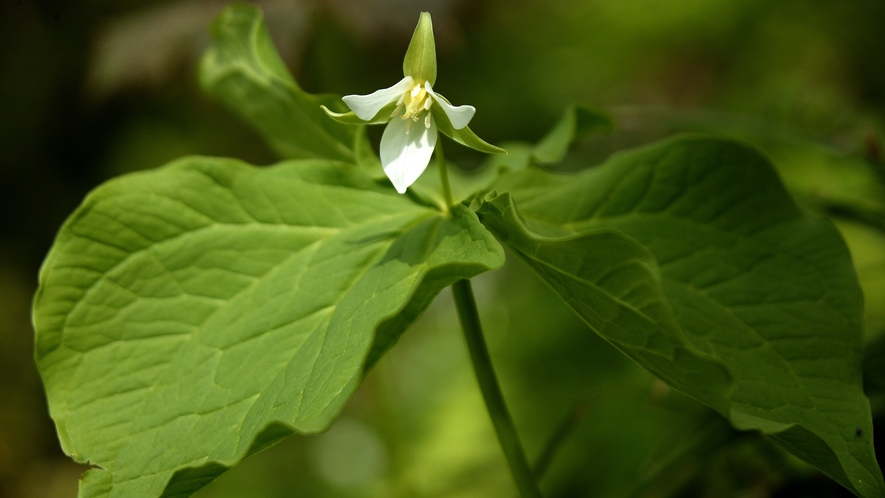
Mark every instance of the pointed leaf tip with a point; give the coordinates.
(420, 60)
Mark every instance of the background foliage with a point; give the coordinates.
(96, 88)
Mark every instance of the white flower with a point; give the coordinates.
(410, 136)
(414, 113)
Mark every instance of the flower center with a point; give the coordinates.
(416, 101)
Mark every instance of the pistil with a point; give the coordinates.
(416, 101)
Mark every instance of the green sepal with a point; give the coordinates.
(464, 136)
(349, 118)
(420, 60)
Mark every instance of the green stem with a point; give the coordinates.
(491, 392)
(444, 175)
(563, 431)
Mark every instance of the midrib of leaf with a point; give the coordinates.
(571, 276)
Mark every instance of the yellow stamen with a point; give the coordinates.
(416, 101)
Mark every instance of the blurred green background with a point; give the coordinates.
(90, 89)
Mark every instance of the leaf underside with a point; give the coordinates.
(690, 258)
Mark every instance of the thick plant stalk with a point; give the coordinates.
(491, 392)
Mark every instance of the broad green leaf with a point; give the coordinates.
(420, 59)
(752, 282)
(577, 120)
(192, 315)
(614, 284)
(816, 172)
(243, 70)
(834, 177)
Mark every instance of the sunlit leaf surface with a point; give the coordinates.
(194, 314)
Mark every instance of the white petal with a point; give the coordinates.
(367, 106)
(460, 116)
(406, 147)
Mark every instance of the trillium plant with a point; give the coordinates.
(193, 315)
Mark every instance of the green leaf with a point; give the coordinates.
(614, 284)
(577, 120)
(465, 136)
(362, 149)
(190, 316)
(243, 70)
(751, 282)
(420, 59)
